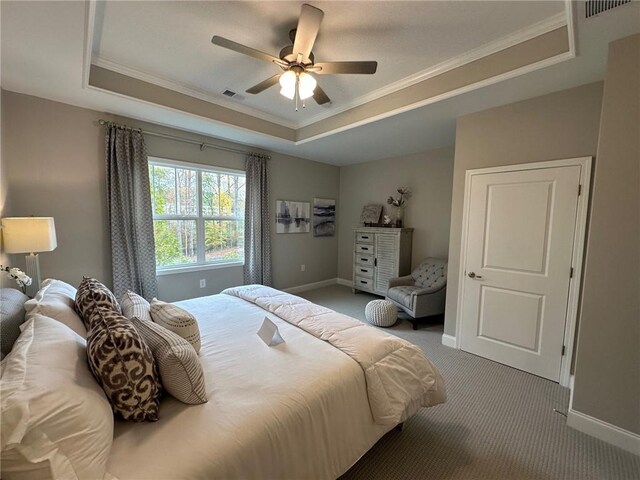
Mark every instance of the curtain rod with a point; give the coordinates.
(202, 145)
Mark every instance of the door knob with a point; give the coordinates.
(473, 275)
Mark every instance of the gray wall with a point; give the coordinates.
(607, 373)
(294, 179)
(4, 207)
(291, 178)
(54, 165)
(54, 161)
(428, 174)
(556, 126)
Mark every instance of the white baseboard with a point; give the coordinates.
(448, 340)
(604, 431)
(320, 284)
(311, 286)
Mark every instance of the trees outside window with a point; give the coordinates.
(198, 214)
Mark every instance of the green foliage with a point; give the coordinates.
(222, 195)
(168, 248)
(222, 240)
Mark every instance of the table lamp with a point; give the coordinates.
(29, 235)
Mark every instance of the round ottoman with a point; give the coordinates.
(381, 313)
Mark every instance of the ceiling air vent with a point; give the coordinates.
(594, 7)
(229, 93)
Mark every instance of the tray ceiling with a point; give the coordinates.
(170, 43)
(47, 49)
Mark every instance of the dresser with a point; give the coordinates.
(378, 255)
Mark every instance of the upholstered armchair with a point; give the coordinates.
(422, 293)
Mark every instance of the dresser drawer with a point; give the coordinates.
(363, 271)
(366, 260)
(361, 282)
(364, 237)
(365, 248)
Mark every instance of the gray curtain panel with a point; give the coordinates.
(257, 240)
(130, 216)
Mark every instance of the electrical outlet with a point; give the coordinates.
(303, 267)
(203, 282)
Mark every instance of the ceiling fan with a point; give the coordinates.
(297, 61)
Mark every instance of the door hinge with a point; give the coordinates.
(579, 189)
(571, 273)
(563, 350)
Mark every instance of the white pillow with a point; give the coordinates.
(56, 299)
(177, 320)
(177, 361)
(56, 421)
(133, 305)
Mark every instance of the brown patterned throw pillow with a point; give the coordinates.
(92, 293)
(123, 365)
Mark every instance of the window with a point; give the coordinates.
(198, 214)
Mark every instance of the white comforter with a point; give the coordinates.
(400, 379)
(297, 410)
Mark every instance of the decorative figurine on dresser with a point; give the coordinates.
(380, 254)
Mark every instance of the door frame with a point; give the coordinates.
(577, 257)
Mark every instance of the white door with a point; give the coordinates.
(521, 227)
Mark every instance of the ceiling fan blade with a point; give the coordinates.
(331, 68)
(252, 52)
(319, 96)
(269, 82)
(307, 31)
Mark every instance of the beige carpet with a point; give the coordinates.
(498, 422)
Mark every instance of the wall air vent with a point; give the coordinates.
(594, 7)
(229, 93)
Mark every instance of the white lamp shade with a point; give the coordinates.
(288, 83)
(288, 93)
(28, 234)
(307, 85)
(288, 79)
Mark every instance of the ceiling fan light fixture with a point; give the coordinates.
(306, 85)
(296, 83)
(288, 92)
(288, 83)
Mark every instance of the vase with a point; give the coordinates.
(399, 215)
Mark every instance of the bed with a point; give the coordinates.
(307, 408)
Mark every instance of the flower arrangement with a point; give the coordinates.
(22, 279)
(399, 201)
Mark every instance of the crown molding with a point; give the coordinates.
(192, 92)
(89, 58)
(540, 28)
(87, 53)
(565, 18)
(452, 93)
(571, 14)
(212, 121)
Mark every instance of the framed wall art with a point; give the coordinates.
(324, 217)
(371, 214)
(293, 216)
